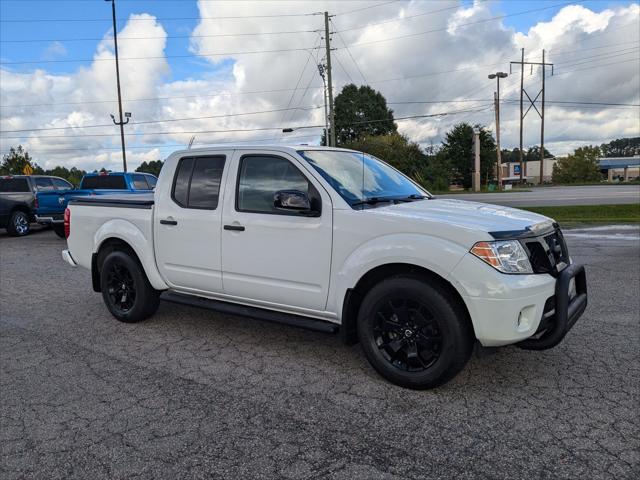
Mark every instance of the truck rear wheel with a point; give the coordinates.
(413, 333)
(18, 225)
(125, 288)
(59, 230)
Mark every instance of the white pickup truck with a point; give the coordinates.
(333, 240)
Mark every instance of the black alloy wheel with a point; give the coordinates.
(407, 334)
(120, 287)
(414, 331)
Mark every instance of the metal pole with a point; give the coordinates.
(332, 118)
(521, 119)
(121, 123)
(498, 153)
(476, 172)
(542, 125)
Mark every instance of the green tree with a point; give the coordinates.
(533, 154)
(74, 175)
(407, 156)
(13, 163)
(621, 147)
(153, 167)
(361, 112)
(458, 153)
(581, 166)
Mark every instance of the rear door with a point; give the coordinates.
(47, 196)
(268, 255)
(187, 223)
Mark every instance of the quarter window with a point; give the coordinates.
(260, 177)
(197, 182)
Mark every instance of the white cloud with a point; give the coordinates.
(467, 53)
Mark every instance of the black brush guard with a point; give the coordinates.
(567, 310)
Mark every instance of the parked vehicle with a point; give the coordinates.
(43, 199)
(28, 199)
(337, 241)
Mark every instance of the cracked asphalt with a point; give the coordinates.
(194, 394)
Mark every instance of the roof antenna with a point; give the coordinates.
(193, 137)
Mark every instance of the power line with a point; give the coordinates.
(236, 130)
(444, 29)
(155, 19)
(350, 55)
(161, 57)
(166, 120)
(368, 7)
(237, 34)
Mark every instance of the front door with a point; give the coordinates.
(187, 224)
(275, 257)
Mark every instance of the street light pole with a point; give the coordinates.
(498, 76)
(121, 123)
(476, 170)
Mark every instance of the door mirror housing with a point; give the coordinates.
(292, 201)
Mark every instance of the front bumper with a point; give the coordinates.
(567, 310)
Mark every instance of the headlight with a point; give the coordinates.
(507, 256)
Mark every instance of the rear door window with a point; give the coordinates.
(44, 184)
(14, 185)
(197, 182)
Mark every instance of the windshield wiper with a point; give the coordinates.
(377, 200)
(373, 201)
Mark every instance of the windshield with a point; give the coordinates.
(360, 178)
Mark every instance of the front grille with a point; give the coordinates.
(547, 253)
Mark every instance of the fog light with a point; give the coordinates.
(525, 318)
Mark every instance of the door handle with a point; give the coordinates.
(235, 228)
(168, 222)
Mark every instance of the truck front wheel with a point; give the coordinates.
(413, 333)
(125, 288)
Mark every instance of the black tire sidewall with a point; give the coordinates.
(11, 229)
(59, 231)
(456, 344)
(147, 299)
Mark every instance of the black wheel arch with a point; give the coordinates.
(355, 295)
(106, 247)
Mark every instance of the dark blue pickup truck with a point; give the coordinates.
(43, 199)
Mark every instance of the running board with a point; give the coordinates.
(252, 312)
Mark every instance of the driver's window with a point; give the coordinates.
(260, 177)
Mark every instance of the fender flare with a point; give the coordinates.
(130, 234)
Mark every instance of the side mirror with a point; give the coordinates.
(292, 201)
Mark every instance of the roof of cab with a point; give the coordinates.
(270, 148)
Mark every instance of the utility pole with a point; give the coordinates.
(121, 123)
(476, 170)
(332, 119)
(322, 69)
(521, 153)
(496, 98)
(542, 124)
(532, 104)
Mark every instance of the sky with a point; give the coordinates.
(240, 71)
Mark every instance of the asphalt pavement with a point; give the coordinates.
(554, 196)
(194, 394)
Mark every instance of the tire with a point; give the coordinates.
(413, 333)
(18, 225)
(138, 300)
(59, 229)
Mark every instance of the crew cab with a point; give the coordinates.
(28, 199)
(338, 241)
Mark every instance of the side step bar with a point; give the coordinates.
(253, 312)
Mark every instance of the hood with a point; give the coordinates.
(468, 215)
